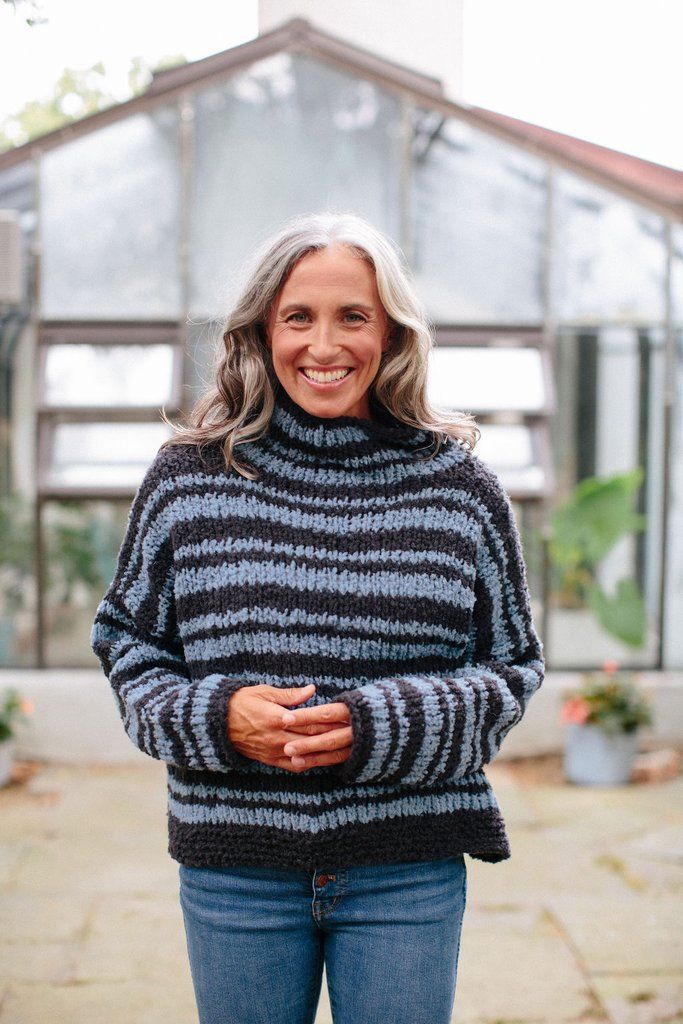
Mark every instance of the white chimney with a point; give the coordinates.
(425, 35)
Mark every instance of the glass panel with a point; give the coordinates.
(17, 192)
(102, 375)
(17, 582)
(486, 378)
(609, 421)
(610, 256)
(103, 454)
(509, 450)
(110, 209)
(82, 539)
(673, 597)
(677, 273)
(285, 136)
(478, 208)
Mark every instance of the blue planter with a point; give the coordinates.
(594, 758)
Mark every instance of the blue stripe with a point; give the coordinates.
(342, 648)
(324, 580)
(413, 807)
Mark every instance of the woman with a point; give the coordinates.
(320, 621)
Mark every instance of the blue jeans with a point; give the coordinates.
(388, 936)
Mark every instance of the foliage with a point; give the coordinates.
(79, 551)
(31, 10)
(609, 699)
(16, 546)
(75, 95)
(13, 707)
(582, 531)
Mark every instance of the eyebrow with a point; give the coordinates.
(344, 308)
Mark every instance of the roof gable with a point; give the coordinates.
(643, 181)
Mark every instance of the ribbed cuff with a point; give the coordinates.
(217, 725)
(363, 729)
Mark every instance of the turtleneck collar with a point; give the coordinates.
(344, 438)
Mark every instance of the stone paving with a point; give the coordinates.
(582, 923)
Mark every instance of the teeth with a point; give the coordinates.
(323, 378)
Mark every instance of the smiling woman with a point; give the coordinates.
(326, 643)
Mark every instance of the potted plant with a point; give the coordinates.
(12, 707)
(603, 718)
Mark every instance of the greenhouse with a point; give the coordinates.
(552, 271)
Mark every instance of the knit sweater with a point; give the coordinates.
(393, 581)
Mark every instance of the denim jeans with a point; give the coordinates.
(388, 936)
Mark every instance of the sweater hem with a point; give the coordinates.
(479, 833)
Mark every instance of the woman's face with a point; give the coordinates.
(328, 319)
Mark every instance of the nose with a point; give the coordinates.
(322, 344)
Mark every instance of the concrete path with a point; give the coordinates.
(583, 923)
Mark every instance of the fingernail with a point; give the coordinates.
(288, 718)
(298, 761)
(289, 748)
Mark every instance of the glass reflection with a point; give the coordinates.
(108, 375)
(610, 256)
(285, 136)
(478, 224)
(110, 221)
(487, 378)
(96, 455)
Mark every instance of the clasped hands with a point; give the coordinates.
(259, 728)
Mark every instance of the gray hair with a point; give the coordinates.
(238, 405)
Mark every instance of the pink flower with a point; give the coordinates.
(609, 666)
(27, 706)
(575, 711)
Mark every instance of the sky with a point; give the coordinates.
(604, 70)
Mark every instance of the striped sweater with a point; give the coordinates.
(393, 581)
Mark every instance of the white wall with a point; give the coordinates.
(424, 35)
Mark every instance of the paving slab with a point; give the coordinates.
(112, 1002)
(624, 934)
(642, 999)
(663, 844)
(35, 917)
(117, 947)
(515, 965)
(37, 963)
(130, 863)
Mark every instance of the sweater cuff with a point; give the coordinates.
(362, 742)
(217, 725)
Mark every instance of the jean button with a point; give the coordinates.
(323, 880)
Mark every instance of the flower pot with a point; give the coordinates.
(592, 757)
(6, 759)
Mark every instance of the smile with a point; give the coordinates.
(326, 377)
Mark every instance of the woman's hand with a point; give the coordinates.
(257, 730)
(331, 748)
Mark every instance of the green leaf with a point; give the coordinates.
(622, 615)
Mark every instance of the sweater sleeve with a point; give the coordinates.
(421, 729)
(166, 713)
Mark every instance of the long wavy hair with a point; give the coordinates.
(237, 407)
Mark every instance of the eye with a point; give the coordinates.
(358, 315)
(292, 315)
